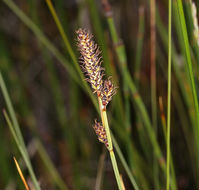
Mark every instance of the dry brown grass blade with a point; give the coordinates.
(21, 174)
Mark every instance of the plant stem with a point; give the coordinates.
(139, 45)
(110, 145)
(169, 98)
(116, 171)
(63, 35)
(124, 163)
(153, 83)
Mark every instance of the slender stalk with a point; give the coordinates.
(110, 145)
(153, 65)
(116, 171)
(164, 125)
(139, 45)
(153, 82)
(21, 174)
(63, 35)
(169, 97)
(124, 163)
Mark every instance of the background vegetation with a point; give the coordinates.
(47, 109)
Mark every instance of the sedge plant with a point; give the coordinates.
(91, 66)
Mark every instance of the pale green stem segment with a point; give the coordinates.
(110, 145)
(169, 98)
(116, 171)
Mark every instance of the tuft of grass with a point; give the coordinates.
(16, 132)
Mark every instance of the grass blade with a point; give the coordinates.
(169, 97)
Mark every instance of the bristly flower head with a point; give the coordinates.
(108, 92)
(91, 65)
(91, 61)
(101, 133)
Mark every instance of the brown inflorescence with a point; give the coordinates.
(91, 65)
(90, 59)
(101, 133)
(108, 92)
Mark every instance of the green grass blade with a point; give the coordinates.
(122, 159)
(14, 126)
(169, 97)
(139, 46)
(189, 62)
(153, 85)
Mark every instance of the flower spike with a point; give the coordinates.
(100, 132)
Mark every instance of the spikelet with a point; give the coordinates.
(108, 92)
(90, 59)
(101, 133)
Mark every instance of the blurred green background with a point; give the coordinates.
(55, 108)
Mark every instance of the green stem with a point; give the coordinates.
(115, 169)
(189, 62)
(110, 145)
(124, 163)
(139, 46)
(63, 35)
(169, 98)
(153, 83)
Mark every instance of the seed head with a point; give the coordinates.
(91, 65)
(101, 133)
(90, 59)
(108, 92)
